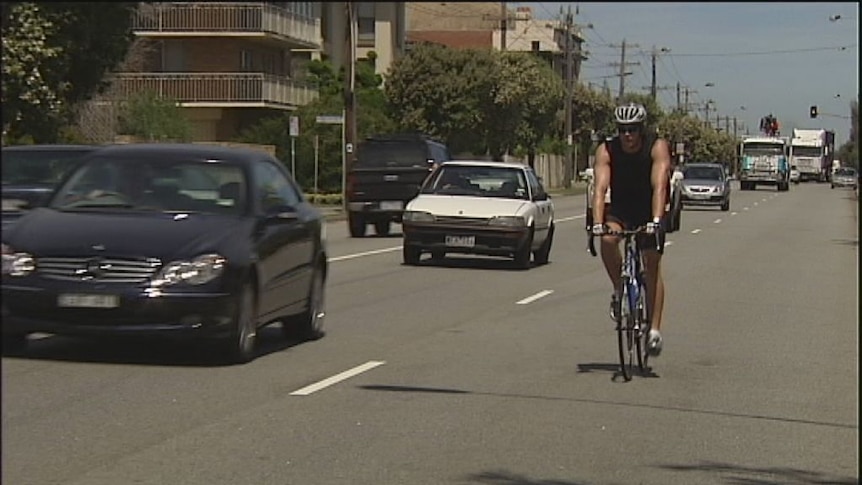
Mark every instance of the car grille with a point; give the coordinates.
(462, 221)
(106, 270)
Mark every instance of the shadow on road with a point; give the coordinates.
(508, 478)
(470, 262)
(139, 351)
(743, 475)
(846, 242)
(602, 402)
(614, 369)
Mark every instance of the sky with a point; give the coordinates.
(760, 58)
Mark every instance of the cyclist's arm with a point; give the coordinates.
(601, 181)
(661, 168)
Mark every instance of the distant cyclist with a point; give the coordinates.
(635, 165)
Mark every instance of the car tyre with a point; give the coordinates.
(410, 254)
(382, 228)
(522, 255)
(242, 343)
(725, 206)
(542, 255)
(356, 224)
(308, 325)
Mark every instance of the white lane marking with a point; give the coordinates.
(733, 213)
(366, 253)
(668, 243)
(337, 378)
(764, 200)
(745, 208)
(755, 203)
(531, 299)
(695, 231)
(717, 221)
(572, 218)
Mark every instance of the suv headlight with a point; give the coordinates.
(507, 221)
(418, 216)
(198, 271)
(16, 263)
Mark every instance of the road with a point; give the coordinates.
(475, 373)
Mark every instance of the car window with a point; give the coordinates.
(393, 153)
(535, 186)
(274, 189)
(703, 173)
(478, 181)
(38, 167)
(155, 184)
(439, 152)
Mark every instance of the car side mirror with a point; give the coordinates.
(541, 196)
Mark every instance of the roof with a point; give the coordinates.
(192, 150)
(486, 163)
(455, 39)
(50, 148)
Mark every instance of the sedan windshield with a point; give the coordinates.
(702, 173)
(478, 181)
(159, 185)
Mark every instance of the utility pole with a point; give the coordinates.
(349, 88)
(568, 172)
(727, 124)
(622, 64)
(734, 127)
(687, 92)
(504, 24)
(706, 112)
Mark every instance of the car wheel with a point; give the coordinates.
(356, 224)
(726, 205)
(411, 254)
(677, 217)
(240, 346)
(542, 255)
(14, 343)
(308, 325)
(522, 255)
(832, 186)
(382, 228)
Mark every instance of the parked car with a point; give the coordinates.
(845, 177)
(673, 217)
(32, 172)
(705, 184)
(794, 174)
(386, 175)
(175, 240)
(480, 207)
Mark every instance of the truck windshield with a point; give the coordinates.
(806, 152)
(762, 149)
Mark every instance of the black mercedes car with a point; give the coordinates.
(32, 172)
(168, 239)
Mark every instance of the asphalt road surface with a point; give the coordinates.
(472, 372)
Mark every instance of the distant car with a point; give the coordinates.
(176, 240)
(705, 184)
(32, 172)
(794, 174)
(480, 207)
(673, 211)
(845, 177)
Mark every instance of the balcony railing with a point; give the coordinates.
(213, 18)
(219, 89)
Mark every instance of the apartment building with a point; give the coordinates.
(380, 27)
(228, 64)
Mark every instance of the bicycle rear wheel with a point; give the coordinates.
(625, 334)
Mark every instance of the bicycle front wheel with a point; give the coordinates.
(625, 334)
(642, 332)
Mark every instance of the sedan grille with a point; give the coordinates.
(462, 221)
(106, 270)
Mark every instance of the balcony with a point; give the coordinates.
(219, 90)
(253, 19)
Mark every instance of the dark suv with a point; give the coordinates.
(385, 176)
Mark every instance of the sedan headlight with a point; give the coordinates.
(418, 216)
(718, 189)
(16, 263)
(198, 271)
(507, 221)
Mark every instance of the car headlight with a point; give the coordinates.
(418, 216)
(198, 271)
(507, 221)
(17, 263)
(718, 189)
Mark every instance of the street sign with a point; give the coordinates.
(680, 147)
(349, 147)
(294, 126)
(330, 119)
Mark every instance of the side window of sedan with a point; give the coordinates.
(273, 188)
(535, 186)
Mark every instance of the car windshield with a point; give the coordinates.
(478, 181)
(702, 173)
(394, 153)
(38, 167)
(759, 149)
(848, 172)
(156, 185)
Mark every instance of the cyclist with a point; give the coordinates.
(635, 165)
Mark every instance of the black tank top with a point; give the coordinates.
(631, 181)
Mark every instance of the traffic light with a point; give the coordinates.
(813, 112)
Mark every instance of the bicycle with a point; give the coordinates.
(632, 321)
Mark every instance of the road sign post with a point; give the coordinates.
(294, 132)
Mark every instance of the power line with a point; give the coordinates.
(760, 53)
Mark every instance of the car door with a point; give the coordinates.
(543, 204)
(283, 239)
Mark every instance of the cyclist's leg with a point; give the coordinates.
(655, 293)
(611, 256)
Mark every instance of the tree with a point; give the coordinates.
(151, 117)
(849, 151)
(55, 55)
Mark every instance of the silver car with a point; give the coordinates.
(845, 177)
(705, 184)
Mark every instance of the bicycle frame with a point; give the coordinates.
(633, 324)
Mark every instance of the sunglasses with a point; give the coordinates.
(628, 129)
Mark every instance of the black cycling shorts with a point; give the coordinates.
(647, 242)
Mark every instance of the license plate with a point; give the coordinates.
(391, 205)
(88, 301)
(461, 241)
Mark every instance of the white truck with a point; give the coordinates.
(763, 161)
(807, 153)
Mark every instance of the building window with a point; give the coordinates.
(365, 15)
(246, 61)
(537, 45)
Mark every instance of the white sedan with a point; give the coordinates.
(480, 207)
